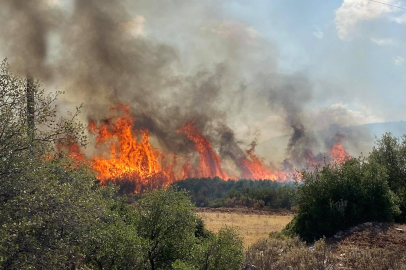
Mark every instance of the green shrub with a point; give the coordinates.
(221, 251)
(337, 197)
(200, 231)
(390, 153)
(173, 236)
(166, 223)
(224, 251)
(115, 244)
(50, 223)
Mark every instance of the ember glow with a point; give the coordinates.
(126, 157)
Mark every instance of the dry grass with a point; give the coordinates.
(251, 227)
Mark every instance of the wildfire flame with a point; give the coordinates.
(131, 156)
(128, 158)
(210, 162)
(337, 152)
(254, 168)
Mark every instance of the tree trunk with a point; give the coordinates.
(30, 109)
(151, 260)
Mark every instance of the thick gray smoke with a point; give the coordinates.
(291, 97)
(288, 95)
(89, 49)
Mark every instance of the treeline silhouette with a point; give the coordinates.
(259, 194)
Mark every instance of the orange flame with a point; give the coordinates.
(338, 153)
(210, 162)
(131, 157)
(254, 168)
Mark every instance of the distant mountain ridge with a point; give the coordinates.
(378, 129)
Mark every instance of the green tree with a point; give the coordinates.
(337, 197)
(115, 244)
(390, 152)
(51, 218)
(34, 192)
(166, 222)
(220, 251)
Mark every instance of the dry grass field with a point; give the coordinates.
(251, 226)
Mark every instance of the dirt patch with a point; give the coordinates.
(372, 236)
(393, 237)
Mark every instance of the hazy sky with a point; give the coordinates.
(354, 48)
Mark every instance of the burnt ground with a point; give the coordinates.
(375, 237)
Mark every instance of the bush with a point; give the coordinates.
(224, 251)
(221, 251)
(115, 244)
(337, 197)
(173, 236)
(50, 223)
(166, 222)
(390, 153)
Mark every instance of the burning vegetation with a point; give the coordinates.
(337, 151)
(210, 162)
(125, 156)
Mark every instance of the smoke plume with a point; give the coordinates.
(227, 73)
